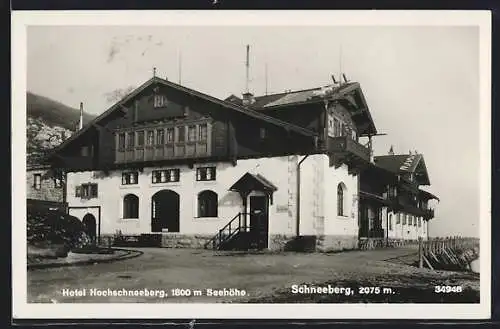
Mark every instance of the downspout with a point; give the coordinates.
(297, 228)
(387, 226)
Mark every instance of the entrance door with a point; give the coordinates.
(165, 211)
(259, 221)
(90, 227)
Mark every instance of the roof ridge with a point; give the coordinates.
(289, 92)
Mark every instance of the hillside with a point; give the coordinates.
(48, 123)
(54, 113)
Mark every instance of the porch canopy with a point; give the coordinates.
(253, 182)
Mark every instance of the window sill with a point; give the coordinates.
(165, 184)
(129, 186)
(342, 217)
(206, 218)
(212, 181)
(129, 219)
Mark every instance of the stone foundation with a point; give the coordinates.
(326, 243)
(173, 240)
(163, 240)
(278, 242)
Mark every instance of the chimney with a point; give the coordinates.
(391, 150)
(248, 99)
(80, 124)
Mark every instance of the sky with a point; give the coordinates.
(421, 83)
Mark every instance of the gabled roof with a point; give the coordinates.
(404, 163)
(228, 105)
(427, 195)
(253, 182)
(310, 96)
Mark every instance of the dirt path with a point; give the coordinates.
(263, 277)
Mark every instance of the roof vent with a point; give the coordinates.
(248, 99)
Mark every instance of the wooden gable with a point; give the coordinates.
(135, 130)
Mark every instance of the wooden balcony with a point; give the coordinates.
(346, 150)
(428, 214)
(187, 150)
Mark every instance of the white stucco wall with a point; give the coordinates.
(111, 193)
(407, 232)
(334, 224)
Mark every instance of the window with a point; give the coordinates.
(191, 133)
(140, 138)
(410, 219)
(166, 176)
(130, 141)
(130, 178)
(85, 151)
(341, 199)
(58, 181)
(207, 204)
(86, 191)
(414, 221)
(37, 181)
(130, 206)
(336, 127)
(353, 134)
(404, 219)
(262, 133)
(170, 135)
(419, 222)
(393, 192)
(203, 132)
(390, 222)
(205, 173)
(160, 137)
(181, 134)
(398, 218)
(121, 142)
(160, 101)
(150, 137)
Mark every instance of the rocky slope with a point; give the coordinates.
(48, 124)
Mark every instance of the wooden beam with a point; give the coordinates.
(123, 108)
(99, 127)
(351, 101)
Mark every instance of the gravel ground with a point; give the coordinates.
(264, 277)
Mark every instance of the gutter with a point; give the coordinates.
(297, 228)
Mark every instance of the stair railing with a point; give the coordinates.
(228, 231)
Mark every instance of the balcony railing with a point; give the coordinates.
(347, 146)
(164, 152)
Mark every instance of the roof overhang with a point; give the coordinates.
(253, 182)
(120, 105)
(427, 195)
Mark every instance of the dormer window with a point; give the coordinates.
(160, 101)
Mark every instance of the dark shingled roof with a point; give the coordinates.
(311, 96)
(289, 97)
(404, 163)
(400, 163)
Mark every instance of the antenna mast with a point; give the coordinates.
(180, 66)
(340, 65)
(247, 69)
(266, 79)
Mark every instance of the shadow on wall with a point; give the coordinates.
(305, 243)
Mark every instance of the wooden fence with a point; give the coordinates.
(451, 253)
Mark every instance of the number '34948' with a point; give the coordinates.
(447, 289)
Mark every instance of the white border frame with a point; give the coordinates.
(21, 19)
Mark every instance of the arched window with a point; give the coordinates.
(207, 204)
(341, 200)
(130, 206)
